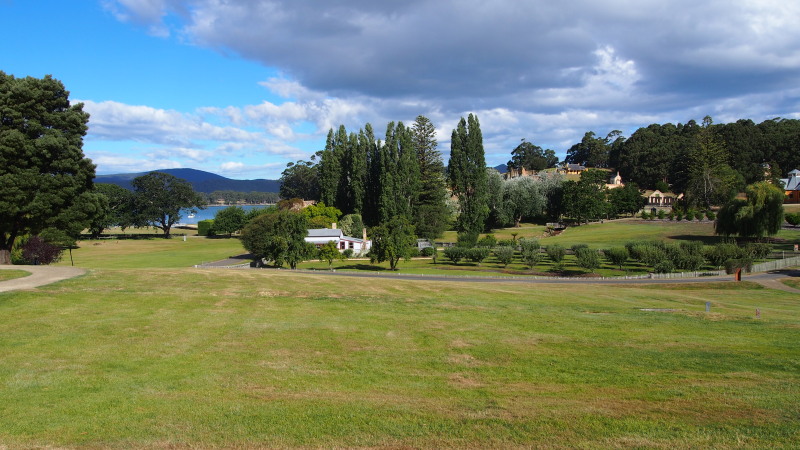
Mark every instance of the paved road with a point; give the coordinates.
(40, 276)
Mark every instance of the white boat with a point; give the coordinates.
(191, 216)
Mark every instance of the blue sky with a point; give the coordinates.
(241, 88)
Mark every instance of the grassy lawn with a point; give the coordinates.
(616, 233)
(12, 273)
(231, 358)
(490, 267)
(793, 282)
(155, 252)
(529, 230)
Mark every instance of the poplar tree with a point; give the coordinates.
(467, 175)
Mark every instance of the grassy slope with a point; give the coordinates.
(154, 253)
(188, 357)
(11, 274)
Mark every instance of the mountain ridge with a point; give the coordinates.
(201, 181)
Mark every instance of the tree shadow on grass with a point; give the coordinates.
(707, 240)
(368, 267)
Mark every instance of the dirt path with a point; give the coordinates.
(39, 276)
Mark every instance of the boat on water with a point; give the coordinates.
(190, 216)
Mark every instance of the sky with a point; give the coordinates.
(241, 88)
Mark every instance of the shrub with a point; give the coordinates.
(506, 243)
(454, 254)
(688, 262)
(617, 256)
(413, 252)
(530, 250)
(664, 266)
(758, 250)
(692, 247)
(487, 241)
(732, 265)
(348, 253)
(710, 215)
(427, 251)
(671, 215)
(678, 216)
(698, 215)
(205, 227)
(649, 254)
(645, 216)
(661, 214)
(556, 253)
(477, 254)
(577, 247)
(588, 259)
(466, 239)
(504, 254)
(792, 219)
(719, 254)
(37, 251)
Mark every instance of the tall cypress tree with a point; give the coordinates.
(467, 175)
(387, 154)
(373, 173)
(329, 172)
(431, 214)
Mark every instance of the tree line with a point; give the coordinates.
(737, 153)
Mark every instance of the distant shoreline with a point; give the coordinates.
(241, 204)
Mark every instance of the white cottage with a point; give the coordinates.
(320, 237)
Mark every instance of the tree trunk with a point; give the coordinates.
(5, 257)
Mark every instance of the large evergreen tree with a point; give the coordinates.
(431, 216)
(158, 199)
(467, 175)
(532, 157)
(329, 171)
(710, 181)
(43, 171)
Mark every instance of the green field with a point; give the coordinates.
(205, 358)
(155, 252)
(11, 274)
(146, 351)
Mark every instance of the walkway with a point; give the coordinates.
(39, 276)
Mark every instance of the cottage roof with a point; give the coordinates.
(325, 232)
(658, 193)
(791, 183)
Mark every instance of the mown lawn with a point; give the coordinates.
(155, 252)
(232, 358)
(12, 273)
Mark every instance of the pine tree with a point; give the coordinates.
(431, 214)
(467, 175)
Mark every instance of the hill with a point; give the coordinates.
(201, 181)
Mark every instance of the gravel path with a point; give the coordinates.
(39, 276)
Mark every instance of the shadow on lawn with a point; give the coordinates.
(707, 240)
(368, 267)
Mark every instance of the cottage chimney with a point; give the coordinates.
(333, 226)
(364, 234)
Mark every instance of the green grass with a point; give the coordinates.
(616, 233)
(236, 358)
(490, 267)
(11, 274)
(155, 252)
(792, 282)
